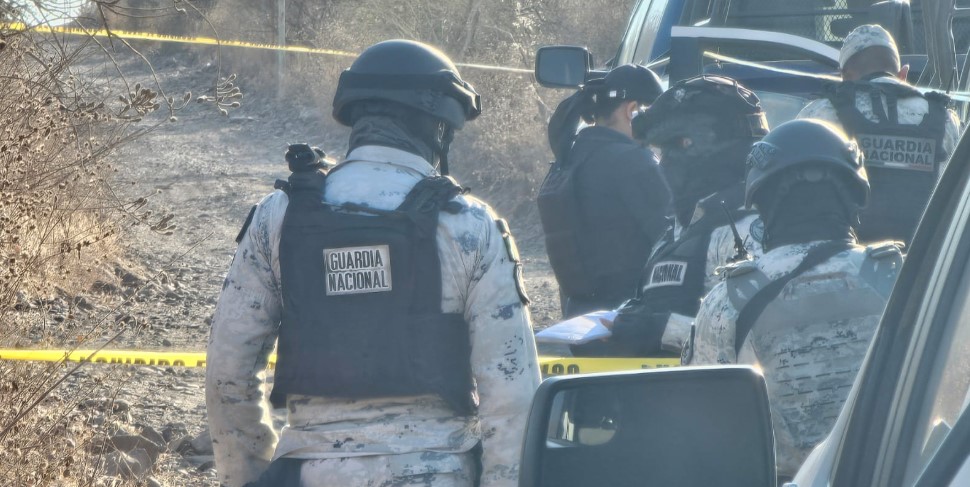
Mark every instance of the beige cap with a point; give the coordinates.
(865, 36)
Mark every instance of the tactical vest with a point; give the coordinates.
(362, 299)
(903, 161)
(673, 279)
(810, 342)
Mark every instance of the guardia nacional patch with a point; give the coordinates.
(898, 152)
(357, 270)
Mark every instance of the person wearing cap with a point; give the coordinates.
(703, 128)
(601, 224)
(905, 135)
(804, 311)
(405, 352)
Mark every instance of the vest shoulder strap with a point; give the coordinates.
(433, 193)
(881, 266)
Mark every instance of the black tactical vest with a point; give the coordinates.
(673, 280)
(362, 299)
(674, 277)
(903, 161)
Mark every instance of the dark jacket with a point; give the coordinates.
(624, 203)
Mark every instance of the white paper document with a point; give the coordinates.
(578, 330)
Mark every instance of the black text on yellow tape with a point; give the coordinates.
(126, 357)
(582, 365)
(549, 365)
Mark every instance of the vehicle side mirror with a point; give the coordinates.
(692, 426)
(562, 66)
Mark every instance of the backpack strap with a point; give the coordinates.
(245, 227)
(749, 314)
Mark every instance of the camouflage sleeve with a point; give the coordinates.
(676, 332)
(243, 334)
(821, 109)
(719, 251)
(722, 249)
(714, 332)
(503, 354)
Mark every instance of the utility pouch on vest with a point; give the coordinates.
(675, 276)
(902, 160)
(673, 280)
(362, 300)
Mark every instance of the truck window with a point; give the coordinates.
(649, 31)
(821, 20)
(633, 31)
(829, 21)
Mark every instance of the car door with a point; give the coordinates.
(908, 424)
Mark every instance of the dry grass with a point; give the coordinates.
(503, 155)
(65, 105)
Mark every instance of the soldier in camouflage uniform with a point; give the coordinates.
(905, 136)
(396, 367)
(805, 311)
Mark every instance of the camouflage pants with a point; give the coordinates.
(424, 469)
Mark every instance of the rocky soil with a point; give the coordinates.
(208, 170)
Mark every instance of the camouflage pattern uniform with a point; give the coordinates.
(719, 252)
(352, 441)
(809, 355)
(911, 112)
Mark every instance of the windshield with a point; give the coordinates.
(780, 108)
(823, 20)
(829, 21)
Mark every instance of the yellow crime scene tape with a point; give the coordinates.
(549, 365)
(211, 41)
(128, 357)
(584, 365)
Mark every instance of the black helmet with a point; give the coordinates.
(627, 82)
(817, 149)
(735, 109)
(409, 73)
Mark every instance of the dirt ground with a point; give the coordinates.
(209, 170)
